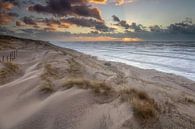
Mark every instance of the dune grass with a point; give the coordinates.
(74, 68)
(97, 87)
(8, 70)
(143, 106)
(49, 71)
(5, 45)
(189, 100)
(47, 87)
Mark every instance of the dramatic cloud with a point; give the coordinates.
(116, 2)
(98, 1)
(115, 18)
(53, 24)
(156, 28)
(6, 18)
(121, 2)
(184, 27)
(6, 5)
(29, 21)
(122, 23)
(67, 8)
(98, 25)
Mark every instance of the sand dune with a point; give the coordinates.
(47, 87)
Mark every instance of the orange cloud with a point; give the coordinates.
(6, 5)
(117, 2)
(121, 2)
(5, 18)
(103, 39)
(98, 1)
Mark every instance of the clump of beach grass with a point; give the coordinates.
(8, 70)
(97, 87)
(189, 100)
(49, 71)
(47, 87)
(143, 106)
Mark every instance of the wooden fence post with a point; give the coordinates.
(3, 59)
(10, 57)
(7, 58)
(14, 54)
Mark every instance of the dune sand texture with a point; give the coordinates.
(48, 87)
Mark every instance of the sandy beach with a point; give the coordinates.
(48, 87)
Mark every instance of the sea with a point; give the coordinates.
(177, 57)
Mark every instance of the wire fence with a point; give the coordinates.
(9, 57)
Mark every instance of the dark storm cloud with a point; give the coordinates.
(7, 17)
(137, 27)
(184, 27)
(156, 28)
(91, 23)
(66, 22)
(115, 18)
(29, 21)
(67, 8)
(124, 24)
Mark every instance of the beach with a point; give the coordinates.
(45, 86)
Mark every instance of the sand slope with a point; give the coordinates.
(35, 96)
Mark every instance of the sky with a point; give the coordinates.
(98, 20)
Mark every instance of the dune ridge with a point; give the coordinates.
(56, 88)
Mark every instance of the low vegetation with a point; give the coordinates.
(9, 69)
(74, 68)
(49, 72)
(97, 87)
(47, 87)
(189, 100)
(5, 45)
(143, 106)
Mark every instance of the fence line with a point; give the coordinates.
(9, 57)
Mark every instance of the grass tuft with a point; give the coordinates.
(47, 87)
(189, 100)
(49, 72)
(97, 87)
(144, 107)
(8, 71)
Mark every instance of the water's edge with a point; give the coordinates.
(168, 57)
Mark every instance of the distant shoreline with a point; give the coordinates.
(96, 50)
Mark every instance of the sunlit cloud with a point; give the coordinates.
(6, 5)
(116, 2)
(121, 2)
(6, 18)
(102, 39)
(98, 1)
